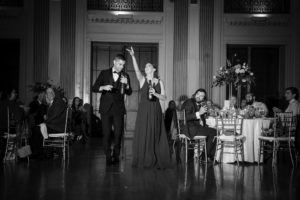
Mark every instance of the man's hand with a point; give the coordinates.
(124, 80)
(276, 109)
(106, 88)
(203, 110)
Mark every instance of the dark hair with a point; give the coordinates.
(251, 93)
(120, 57)
(73, 102)
(201, 90)
(170, 102)
(294, 91)
(155, 74)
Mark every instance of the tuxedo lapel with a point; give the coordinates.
(196, 107)
(110, 76)
(50, 107)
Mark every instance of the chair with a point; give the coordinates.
(197, 143)
(281, 136)
(11, 139)
(229, 135)
(59, 140)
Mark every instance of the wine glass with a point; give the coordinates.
(262, 112)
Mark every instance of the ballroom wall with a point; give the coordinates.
(55, 38)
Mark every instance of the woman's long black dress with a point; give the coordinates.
(150, 145)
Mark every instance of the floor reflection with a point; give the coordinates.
(86, 176)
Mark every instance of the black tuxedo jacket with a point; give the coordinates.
(112, 98)
(190, 107)
(56, 116)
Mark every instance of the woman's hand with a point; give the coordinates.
(131, 51)
(152, 91)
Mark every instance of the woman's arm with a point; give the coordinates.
(162, 95)
(138, 73)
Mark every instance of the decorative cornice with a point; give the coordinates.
(125, 19)
(256, 21)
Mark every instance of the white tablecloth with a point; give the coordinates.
(251, 130)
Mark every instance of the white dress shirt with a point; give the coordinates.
(294, 106)
(115, 75)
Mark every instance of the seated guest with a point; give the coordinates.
(243, 104)
(3, 113)
(38, 109)
(250, 100)
(233, 102)
(78, 121)
(291, 95)
(54, 121)
(169, 114)
(194, 113)
(16, 111)
(212, 109)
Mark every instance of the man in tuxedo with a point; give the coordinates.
(113, 83)
(55, 119)
(195, 110)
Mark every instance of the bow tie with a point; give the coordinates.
(115, 72)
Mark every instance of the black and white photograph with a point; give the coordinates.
(149, 99)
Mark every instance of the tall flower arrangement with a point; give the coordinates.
(237, 75)
(39, 86)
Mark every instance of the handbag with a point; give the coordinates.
(24, 151)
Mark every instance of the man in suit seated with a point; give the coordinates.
(195, 111)
(38, 109)
(54, 121)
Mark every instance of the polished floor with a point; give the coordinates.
(86, 176)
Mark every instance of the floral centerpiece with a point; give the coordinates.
(39, 87)
(237, 75)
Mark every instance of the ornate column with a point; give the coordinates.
(67, 62)
(41, 40)
(219, 51)
(180, 47)
(54, 40)
(206, 45)
(193, 49)
(80, 51)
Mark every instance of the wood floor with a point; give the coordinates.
(86, 176)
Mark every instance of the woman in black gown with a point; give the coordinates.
(150, 145)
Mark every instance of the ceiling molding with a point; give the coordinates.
(125, 19)
(248, 20)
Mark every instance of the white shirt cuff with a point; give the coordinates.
(198, 115)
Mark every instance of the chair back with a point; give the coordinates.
(66, 120)
(13, 126)
(229, 125)
(285, 124)
(181, 120)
